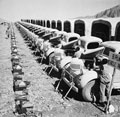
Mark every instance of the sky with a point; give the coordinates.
(14, 10)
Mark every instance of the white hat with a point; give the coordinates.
(59, 53)
(46, 46)
(76, 66)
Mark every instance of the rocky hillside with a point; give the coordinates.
(112, 12)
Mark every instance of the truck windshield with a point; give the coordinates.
(93, 45)
(72, 39)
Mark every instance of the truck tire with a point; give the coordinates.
(90, 91)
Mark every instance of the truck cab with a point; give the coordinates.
(87, 43)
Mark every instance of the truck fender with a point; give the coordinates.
(65, 61)
(86, 77)
(51, 50)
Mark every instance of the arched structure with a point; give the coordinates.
(38, 22)
(53, 24)
(48, 24)
(44, 23)
(67, 26)
(32, 21)
(117, 32)
(41, 22)
(59, 25)
(79, 27)
(27, 20)
(101, 29)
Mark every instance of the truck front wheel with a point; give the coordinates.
(90, 92)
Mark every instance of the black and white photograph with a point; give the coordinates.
(59, 58)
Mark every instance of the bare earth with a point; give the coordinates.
(46, 101)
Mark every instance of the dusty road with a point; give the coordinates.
(6, 79)
(42, 94)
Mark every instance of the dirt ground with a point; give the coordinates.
(46, 101)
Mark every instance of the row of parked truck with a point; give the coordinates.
(69, 53)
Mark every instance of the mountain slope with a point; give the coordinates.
(112, 12)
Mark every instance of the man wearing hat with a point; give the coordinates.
(105, 79)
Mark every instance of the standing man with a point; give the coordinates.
(105, 79)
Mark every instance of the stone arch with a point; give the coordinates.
(67, 26)
(79, 27)
(48, 23)
(53, 24)
(117, 32)
(101, 29)
(59, 25)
